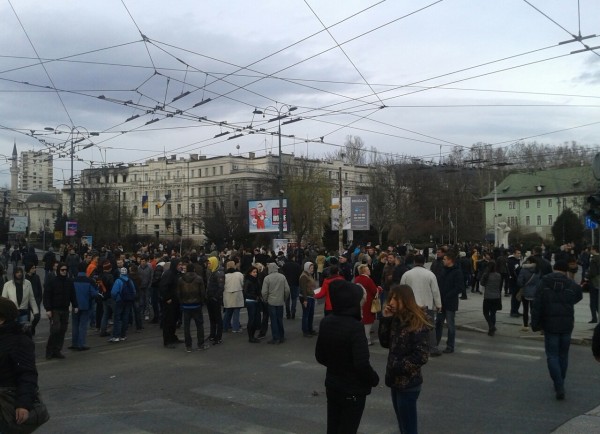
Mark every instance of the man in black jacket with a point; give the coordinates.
(553, 313)
(58, 296)
(342, 347)
(452, 285)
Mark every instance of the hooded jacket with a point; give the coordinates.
(85, 290)
(275, 288)
(190, 290)
(307, 283)
(215, 282)
(552, 309)
(27, 297)
(59, 294)
(342, 345)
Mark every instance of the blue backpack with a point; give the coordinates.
(127, 290)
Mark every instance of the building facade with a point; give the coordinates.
(530, 202)
(168, 196)
(36, 171)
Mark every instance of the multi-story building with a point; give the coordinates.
(36, 172)
(168, 196)
(530, 202)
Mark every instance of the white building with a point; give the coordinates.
(180, 191)
(36, 172)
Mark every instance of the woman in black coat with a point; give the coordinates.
(17, 361)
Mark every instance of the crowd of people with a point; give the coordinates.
(113, 292)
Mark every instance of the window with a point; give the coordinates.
(550, 220)
(178, 209)
(206, 191)
(220, 170)
(330, 174)
(168, 175)
(527, 221)
(549, 203)
(214, 190)
(169, 210)
(206, 172)
(135, 196)
(178, 194)
(156, 176)
(539, 203)
(156, 194)
(346, 176)
(193, 173)
(539, 220)
(135, 211)
(221, 189)
(235, 187)
(193, 210)
(214, 170)
(360, 178)
(146, 177)
(526, 204)
(156, 210)
(124, 195)
(178, 174)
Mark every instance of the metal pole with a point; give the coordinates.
(341, 218)
(119, 217)
(72, 194)
(279, 183)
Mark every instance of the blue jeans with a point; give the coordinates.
(308, 314)
(448, 316)
(81, 319)
(121, 319)
(405, 406)
(232, 314)
(557, 356)
(253, 308)
(294, 292)
(276, 317)
(108, 307)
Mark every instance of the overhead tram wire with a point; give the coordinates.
(144, 37)
(343, 51)
(41, 63)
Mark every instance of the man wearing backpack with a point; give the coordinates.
(123, 293)
(553, 313)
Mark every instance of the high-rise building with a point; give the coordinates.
(36, 173)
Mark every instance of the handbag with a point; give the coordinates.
(375, 305)
(38, 414)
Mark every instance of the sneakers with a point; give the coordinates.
(448, 351)
(114, 340)
(524, 329)
(217, 342)
(146, 318)
(188, 349)
(203, 347)
(237, 331)
(260, 337)
(255, 341)
(560, 395)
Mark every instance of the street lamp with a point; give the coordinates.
(282, 111)
(71, 131)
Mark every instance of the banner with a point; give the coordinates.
(355, 213)
(17, 224)
(145, 204)
(71, 229)
(263, 215)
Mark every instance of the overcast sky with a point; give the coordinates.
(411, 78)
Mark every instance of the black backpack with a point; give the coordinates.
(127, 290)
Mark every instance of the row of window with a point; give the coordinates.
(513, 204)
(194, 209)
(514, 221)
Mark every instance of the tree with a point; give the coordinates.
(308, 192)
(223, 230)
(353, 152)
(381, 211)
(567, 228)
(101, 217)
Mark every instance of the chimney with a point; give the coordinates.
(173, 157)
(194, 157)
(202, 157)
(251, 155)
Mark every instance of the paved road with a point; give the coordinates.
(490, 385)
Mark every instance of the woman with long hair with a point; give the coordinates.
(252, 297)
(404, 329)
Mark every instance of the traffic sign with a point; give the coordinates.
(590, 224)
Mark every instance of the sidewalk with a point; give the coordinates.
(470, 317)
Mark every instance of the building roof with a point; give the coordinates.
(550, 182)
(42, 198)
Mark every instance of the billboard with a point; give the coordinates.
(355, 213)
(71, 229)
(17, 224)
(263, 216)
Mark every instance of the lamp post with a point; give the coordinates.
(282, 111)
(71, 131)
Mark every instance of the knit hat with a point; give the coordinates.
(8, 310)
(107, 266)
(123, 271)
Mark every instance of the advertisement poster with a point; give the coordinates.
(87, 241)
(280, 246)
(71, 229)
(355, 213)
(17, 224)
(263, 216)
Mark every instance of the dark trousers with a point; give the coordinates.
(490, 307)
(593, 302)
(58, 328)
(264, 323)
(526, 307)
(344, 412)
(254, 310)
(405, 407)
(155, 304)
(197, 317)
(170, 315)
(505, 282)
(514, 303)
(290, 303)
(215, 318)
(276, 317)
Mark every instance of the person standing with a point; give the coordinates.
(307, 298)
(38, 292)
(528, 281)
(59, 295)
(292, 271)
(122, 287)
(553, 312)
(191, 295)
(275, 290)
(168, 294)
(593, 277)
(20, 292)
(372, 291)
(404, 330)
(233, 298)
(451, 288)
(427, 295)
(215, 284)
(252, 296)
(85, 290)
(342, 347)
(492, 282)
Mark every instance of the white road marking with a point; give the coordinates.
(471, 377)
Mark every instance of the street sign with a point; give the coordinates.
(590, 224)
